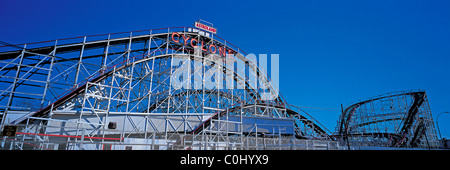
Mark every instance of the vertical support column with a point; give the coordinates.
(167, 41)
(169, 97)
(81, 111)
(75, 83)
(129, 48)
(241, 127)
(109, 103)
(149, 92)
(170, 91)
(105, 58)
(227, 136)
(151, 76)
(218, 79)
(189, 87)
(130, 79)
(47, 82)
(256, 135)
(203, 82)
(13, 87)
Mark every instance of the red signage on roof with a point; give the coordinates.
(205, 27)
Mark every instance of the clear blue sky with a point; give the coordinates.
(331, 52)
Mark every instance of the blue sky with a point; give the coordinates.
(331, 52)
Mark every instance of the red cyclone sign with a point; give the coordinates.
(194, 43)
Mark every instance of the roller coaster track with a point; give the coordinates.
(105, 73)
(400, 137)
(418, 100)
(81, 89)
(290, 112)
(71, 96)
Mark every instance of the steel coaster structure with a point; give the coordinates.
(401, 119)
(118, 91)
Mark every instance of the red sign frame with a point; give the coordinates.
(205, 27)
